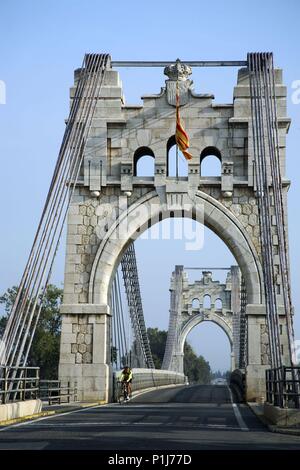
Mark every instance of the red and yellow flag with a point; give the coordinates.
(181, 137)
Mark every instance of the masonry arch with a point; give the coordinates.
(210, 162)
(196, 320)
(219, 322)
(143, 162)
(149, 210)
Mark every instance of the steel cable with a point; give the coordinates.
(71, 153)
(73, 179)
(263, 200)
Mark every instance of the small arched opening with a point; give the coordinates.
(218, 304)
(210, 162)
(176, 165)
(143, 162)
(195, 303)
(206, 301)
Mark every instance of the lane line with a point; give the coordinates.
(139, 424)
(243, 426)
(33, 421)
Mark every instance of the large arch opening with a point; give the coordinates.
(211, 343)
(155, 249)
(147, 212)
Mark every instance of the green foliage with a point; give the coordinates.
(196, 368)
(8, 298)
(158, 341)
(45, 345)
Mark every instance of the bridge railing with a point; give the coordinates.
(283, 387)
(149, 378)
(57, 391)
(18, 384)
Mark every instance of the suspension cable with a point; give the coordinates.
(259, 123)
(25, 313)
(132, 287)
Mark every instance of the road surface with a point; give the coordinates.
(179, 418)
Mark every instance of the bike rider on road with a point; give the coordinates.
(126, 378)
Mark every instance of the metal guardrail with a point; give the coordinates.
(54, 391)
(24, 383)
(283, 387)
(18, 384)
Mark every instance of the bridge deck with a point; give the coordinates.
(193, 417)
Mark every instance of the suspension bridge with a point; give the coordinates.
(97, 193)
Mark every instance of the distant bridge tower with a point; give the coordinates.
(204, 300)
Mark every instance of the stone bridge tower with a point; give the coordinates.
(204, 300)
(113, 205)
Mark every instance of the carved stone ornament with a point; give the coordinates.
(178, 73)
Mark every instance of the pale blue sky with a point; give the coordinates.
(42, 42)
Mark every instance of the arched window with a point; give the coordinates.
(206, 301)
(196, 303)
(210, 162)
(172, 160)
(218, 304)
(143, 162)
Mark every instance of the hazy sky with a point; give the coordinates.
(41, 43)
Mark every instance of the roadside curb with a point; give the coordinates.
(272, 427)
(43, 414)
(26, 418)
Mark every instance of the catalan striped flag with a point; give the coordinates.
(181, 137)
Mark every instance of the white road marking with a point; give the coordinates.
(243, 426)
(128, 424)
(33, 421)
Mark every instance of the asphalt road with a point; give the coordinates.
(182, 418)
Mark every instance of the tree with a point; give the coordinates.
(195, 367)
(44, 351)
(158, 341)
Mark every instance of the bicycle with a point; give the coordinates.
(122, 394)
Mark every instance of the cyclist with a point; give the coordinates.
(126, 379)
